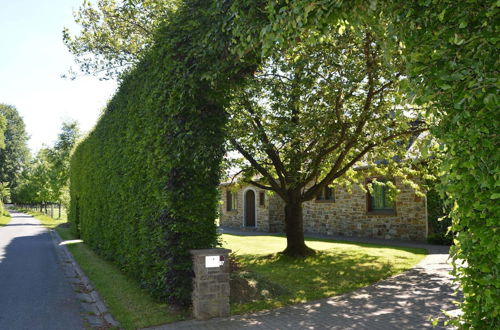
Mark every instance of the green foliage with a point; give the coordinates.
(313, 110)
(144, 182)
(3, 127)
(116, 33)
(438, 219)
(46, 179)
(452, 51)
(59, 159)
(4, 192)
(15, 155)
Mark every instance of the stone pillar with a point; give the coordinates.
(210, 283)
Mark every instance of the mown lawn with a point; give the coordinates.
(338, 267)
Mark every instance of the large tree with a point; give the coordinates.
(16, 154)
(313, 111)
(114, 33)
(46, 179)
(59, 158)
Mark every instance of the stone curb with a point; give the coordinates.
(96, 312)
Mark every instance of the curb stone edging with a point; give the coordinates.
(97, 314)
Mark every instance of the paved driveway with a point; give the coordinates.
(34, 293)
(405, 301)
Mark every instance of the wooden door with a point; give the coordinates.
(250, 208)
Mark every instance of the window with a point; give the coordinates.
(326, 195)
(381, 200)
(230, 200)
(262, 198)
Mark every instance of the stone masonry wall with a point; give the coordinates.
(235, 218)
(347, 215)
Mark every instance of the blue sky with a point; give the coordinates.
(32, 60)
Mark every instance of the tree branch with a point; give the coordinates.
(261, 186)
(271, 152)
(259, 168)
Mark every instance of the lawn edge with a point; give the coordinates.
(65, 256)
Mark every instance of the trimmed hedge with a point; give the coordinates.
(438, 219)
(144, 182)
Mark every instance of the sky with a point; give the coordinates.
(32, 60)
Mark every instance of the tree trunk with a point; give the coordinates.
(294, 228)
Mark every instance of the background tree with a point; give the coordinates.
(59, 158)
(114, 33)
(3, 127)
(46, 179)
(313, 111)
(16, 154)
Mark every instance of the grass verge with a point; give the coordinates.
(131, 306)
(4, 220)
(338, 267)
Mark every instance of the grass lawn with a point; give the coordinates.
(4, 220)
(338, 267)
(129, 304)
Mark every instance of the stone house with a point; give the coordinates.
(339, 211)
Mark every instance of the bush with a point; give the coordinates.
(438, 220)
(144, 181)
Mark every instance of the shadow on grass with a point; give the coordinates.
(322, 275)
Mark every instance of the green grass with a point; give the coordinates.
(131, 306)
(4, 220)
(338, 267)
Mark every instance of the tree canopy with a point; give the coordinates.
(15, 155)
(114, 34)
(312, 111)
(46, 178)
(3, 127)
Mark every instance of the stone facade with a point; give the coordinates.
(346, 215)
(235, 218)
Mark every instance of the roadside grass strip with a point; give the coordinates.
(4, 220)
(130, 305)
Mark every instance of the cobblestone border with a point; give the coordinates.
(96, 313)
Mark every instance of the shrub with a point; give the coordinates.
(438, 219)
(144, 181)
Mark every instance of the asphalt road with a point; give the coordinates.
(34, 293)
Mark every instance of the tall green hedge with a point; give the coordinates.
(144, 181)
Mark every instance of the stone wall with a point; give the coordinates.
(347, 215)
(234, 218)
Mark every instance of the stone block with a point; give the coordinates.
(210, 285)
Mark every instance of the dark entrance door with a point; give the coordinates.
(250, 208)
